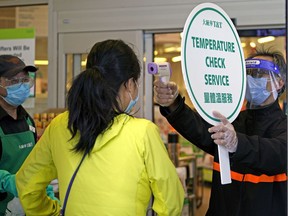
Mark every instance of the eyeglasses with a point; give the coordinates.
(14, 81)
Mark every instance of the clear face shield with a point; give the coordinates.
(262, 83)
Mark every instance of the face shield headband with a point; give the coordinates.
(262, 64)
(261, 82)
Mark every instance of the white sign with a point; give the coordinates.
(213, 68)
(212, 63)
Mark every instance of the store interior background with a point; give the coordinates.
(166, 49)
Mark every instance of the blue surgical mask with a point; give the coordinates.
(17, 94)
(256, 92)
(131, 103)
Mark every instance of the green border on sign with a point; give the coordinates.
(17, 33)
(243, 70)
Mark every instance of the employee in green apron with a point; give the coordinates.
(17, 129)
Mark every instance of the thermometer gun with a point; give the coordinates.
(162, 70)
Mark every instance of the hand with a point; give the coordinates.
(7, 183)
(165, 93)
(224, 133)
(50, 193)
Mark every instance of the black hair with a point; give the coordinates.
(92, 99)
(278, 59)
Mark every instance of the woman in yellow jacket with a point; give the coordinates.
(106, 161)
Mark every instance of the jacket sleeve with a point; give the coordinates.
(8, 184)
(166, 187)
(266, 155)
(35, 174)
(190, 125)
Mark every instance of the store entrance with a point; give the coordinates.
(72, 54)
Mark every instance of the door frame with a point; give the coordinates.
(78, 43)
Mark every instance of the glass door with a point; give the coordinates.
(72, 54)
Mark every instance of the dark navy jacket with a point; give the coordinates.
(258, 167)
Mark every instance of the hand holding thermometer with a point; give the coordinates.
(162, 70)
(169, 90)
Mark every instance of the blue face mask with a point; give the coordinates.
(131, 104)
(256, 92)
(17, 94)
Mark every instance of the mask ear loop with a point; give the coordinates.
(136, 83)
(137, 97)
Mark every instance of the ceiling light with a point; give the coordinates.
(160, 59)
(243, 45)
(172, 49)
(176, 59)
(83, 63)
(41, 62)
(266, 39)
(252, 44)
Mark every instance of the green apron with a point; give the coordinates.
(15, 148)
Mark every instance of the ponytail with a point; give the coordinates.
(93, 97)
(91, 104)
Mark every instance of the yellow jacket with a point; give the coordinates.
(127, 165)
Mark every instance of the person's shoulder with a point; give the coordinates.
(141, 121)
(60, 119)
(142, 125)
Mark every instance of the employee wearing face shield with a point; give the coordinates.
(256, 140)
